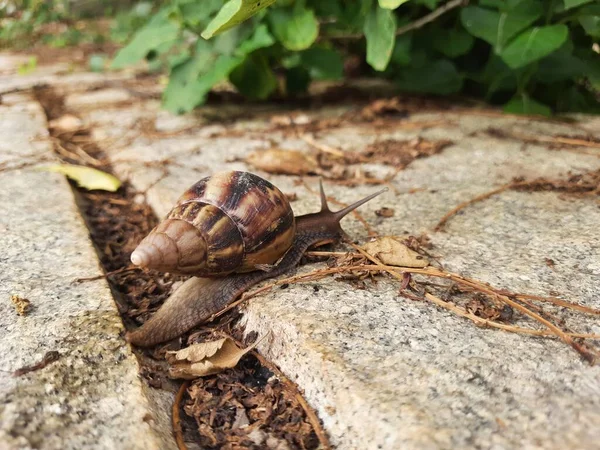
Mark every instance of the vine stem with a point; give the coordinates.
(419, 23)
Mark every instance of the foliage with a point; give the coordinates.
(65, 23)
(532, 56)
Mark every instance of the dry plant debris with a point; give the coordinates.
(400, 153)
(558, 141)
(458, 295)
(22, 305)
(205, 358)
(578, 185)
(391, 251)
(48, 358)
(344, 167)
(248, 408)
(280, 161)
(398, 106)
(117, 221)
(385, 212)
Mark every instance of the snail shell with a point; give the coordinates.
(228, 222)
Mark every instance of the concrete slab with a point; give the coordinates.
(91, 396)
(387, 372)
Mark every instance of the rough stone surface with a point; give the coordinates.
(91, 397)
(384, 371)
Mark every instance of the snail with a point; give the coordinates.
(232, 229)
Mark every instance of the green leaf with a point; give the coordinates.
(380, 32)
(592, 62)
(233, 13)
(149, 38)
(452, 43)
(534, 44)
(576, 99)
(497, 28)
(186, 90)
(591, 25)
(296, 29)
(297, 80)
(497, 4)
(431, 4)
(323, 63)
(353, 14)
(560, 66)
(523, 104)
(254, 78)
(438, 77)
(391, 4)
(197, 13)
(575, 3)
(497, 76)
(226, 43)
(260, 39)
(401, 55)
(86, 177)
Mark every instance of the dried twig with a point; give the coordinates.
(558, 302)
(479, 198)
(323, 147)
(177, 428)
(502, 326)
(576, 142)
(397, 273)
(431, 16)
(107, 274)
(419, 23)
(590, 355)
(48, 359)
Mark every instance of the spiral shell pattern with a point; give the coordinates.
(228, 222)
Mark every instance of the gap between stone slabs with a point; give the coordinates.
(387, 372)
(91, 396)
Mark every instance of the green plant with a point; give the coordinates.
(64, 23)
(532, 56)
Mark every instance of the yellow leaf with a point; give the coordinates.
(86, 177)
(389, 250)
(206, 358)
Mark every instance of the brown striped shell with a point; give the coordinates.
(228, 222)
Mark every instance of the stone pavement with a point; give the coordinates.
(384, 371)
(91, 396)
(381, 370)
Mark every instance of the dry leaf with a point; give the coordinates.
(205, 358)
(385, 212)
(391, 251)
(86, 177)
(68, 122)
(22, 305)
(278, 161)
(400, 153)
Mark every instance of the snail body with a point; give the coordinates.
(234, 229)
